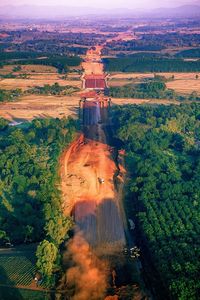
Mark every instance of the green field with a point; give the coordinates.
(17, 269)
(22, 294)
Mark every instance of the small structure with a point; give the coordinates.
(101, 180)
(131, 224)
(94, 110)
(38, 278)
(94, 82)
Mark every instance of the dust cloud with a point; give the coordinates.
(87, 275)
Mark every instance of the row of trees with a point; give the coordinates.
(163, 158)
(9, 95)
(30, 202)
(54, 89)
(147, 64)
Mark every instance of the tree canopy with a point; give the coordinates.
(163, 158)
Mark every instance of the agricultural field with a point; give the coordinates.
(26, 69)
(185, 86)
(19, 269)
(185, 83)
(124, 101)
(35, 75)
(38, 106)
(17, 276)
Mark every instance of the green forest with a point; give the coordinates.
(151, 89)
(162, 146)
(150, 64)
(30, 202)
(54, 89)
(193, 53)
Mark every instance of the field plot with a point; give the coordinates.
(36, 106)
(19, 270)
(182, 82)
(185, 86)
(123, 101)
(179, 76)
(26, 69)
(38, 80)
(115, 82)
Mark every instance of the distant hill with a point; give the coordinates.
(33, 11)
(56, 12)
(181, 11)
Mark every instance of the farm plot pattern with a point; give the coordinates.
(18, 270)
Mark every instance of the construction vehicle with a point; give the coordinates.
(101, 180)
(135, 252)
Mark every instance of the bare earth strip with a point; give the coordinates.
(24, 84)
(151, 75)
(95, 206)
(37, 106)
(185, 86)
(92, 68)
(123, 101)
(26, 69)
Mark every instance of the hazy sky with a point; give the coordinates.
(104, 3)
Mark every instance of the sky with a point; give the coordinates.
(141, 4)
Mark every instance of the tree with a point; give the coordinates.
(46, 256)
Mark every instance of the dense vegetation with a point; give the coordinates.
(9, 95)
(30, 202)
(153, 41)
(146, 64)
(132, 45)
(174, 39)
(18, 55)
(62, 43)
(28, 58)
(54, 89)
(193, 53)
(151, 89)
(163, 158)
(155, 89)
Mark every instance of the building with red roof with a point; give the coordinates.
(94, 81)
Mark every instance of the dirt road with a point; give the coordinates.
(92, 63)
(95, 205)
(92, 179)
(88, 181)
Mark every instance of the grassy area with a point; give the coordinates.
(22, 294)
